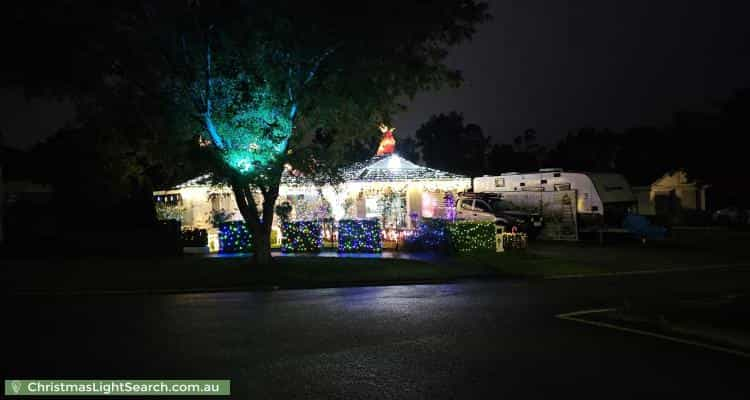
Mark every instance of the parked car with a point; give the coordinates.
(731, 216)
(491, 207)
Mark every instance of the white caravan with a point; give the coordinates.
(602, 199)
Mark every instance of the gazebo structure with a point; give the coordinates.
(387, 186)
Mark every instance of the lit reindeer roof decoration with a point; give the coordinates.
(388, 142)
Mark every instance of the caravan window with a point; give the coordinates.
(499, 182)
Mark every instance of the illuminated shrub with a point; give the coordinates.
(430, 235)
(234, 237)
(471, 237)
(301, 236)
(446, 237)
(360, 236)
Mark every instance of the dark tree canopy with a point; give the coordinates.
(586, 150)
(447, 143)
(407, 147)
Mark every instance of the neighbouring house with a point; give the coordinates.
(387, 186)
(674, 197)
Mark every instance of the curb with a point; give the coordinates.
(649, 271)
(258, 288)
(573, 316)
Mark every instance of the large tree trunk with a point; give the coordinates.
(259, 223)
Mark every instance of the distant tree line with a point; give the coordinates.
(709, 145)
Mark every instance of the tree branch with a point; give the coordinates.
(317, 61)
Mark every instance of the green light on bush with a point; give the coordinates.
(234, 237)
(469, 237)
(301, 236)
(360, 236)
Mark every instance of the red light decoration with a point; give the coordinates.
(388, 142)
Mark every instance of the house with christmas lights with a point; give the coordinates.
(386, 187)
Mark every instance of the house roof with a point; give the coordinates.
(392, 167)
(384, 168)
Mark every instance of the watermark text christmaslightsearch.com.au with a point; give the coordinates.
(92, 387)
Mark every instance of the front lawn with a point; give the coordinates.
(542, 259)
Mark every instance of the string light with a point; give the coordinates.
(194, 237)
(470, 237)
(360, 236)
(445, 236)
(234, 237)
(514, 241)
(301, 236)
(431, 234)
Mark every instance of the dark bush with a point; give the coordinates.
(194, 237)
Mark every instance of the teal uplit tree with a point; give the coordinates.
(243, 77)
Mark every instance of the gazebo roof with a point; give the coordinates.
(392, 167)
(384, 168)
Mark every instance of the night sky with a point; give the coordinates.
(553, 66)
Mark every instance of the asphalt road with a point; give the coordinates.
(467, 340)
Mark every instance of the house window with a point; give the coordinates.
(220, 202)
(169, 199)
